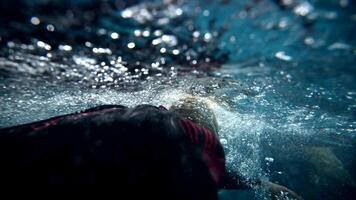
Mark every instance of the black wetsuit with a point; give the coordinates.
(79, 143)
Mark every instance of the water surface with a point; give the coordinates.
(281, 75)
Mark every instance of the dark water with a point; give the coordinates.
(281, 75)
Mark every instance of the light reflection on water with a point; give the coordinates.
(282, 74)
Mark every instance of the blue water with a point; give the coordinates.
(280, 75)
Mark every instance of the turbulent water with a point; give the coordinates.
(280, 75)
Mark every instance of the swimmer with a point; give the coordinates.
(116, 151)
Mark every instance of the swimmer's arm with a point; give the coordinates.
(279, 190)
(233, 181)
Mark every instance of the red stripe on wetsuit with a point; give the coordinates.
(212, 150)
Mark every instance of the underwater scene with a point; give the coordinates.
(280, 76)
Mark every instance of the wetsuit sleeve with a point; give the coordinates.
(47, 123)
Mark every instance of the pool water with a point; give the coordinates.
(280, 75)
